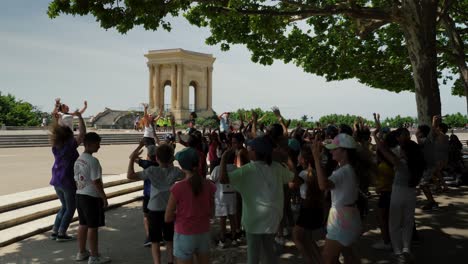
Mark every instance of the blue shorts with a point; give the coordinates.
(344, 225)
(187, 245)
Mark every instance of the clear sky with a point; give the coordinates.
(74, 59)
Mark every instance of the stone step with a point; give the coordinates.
(20, 232)
(40, 210)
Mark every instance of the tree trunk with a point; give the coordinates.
(419, 28)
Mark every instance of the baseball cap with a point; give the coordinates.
(342, 141)
(187, 158)
(261, 145)
(294, 144)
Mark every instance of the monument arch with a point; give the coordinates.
(181, 69)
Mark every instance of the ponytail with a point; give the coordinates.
(196, 182)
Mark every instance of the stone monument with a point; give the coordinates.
(180, 69)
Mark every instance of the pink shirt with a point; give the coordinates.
(193, 213)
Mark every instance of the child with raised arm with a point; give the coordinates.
(64, 148)
(225, 201)
(260, 184)
(90, 199)
(162, 178)
(62, 115)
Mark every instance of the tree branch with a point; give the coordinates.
(354, 12)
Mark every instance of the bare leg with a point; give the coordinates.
(349, 256)
(203, 258)
(170, 251)
(233, 225)
(82, 237)
(383, 222)
(222, 224)
(299, 240)
(145, 224)
(156, 252)
(93, 241)
(331, 251)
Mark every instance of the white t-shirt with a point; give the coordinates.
(224, 124)
(148, 132)
(303, 187)
(225, 193)
(87, 169)
(346, 188)
(66, 120)
(161, 180)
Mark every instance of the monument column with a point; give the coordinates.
(151, 87)
(209, 92)
(156, 85)
(180, 84)
(174, 87)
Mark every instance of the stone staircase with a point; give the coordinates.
(42, 140)
(26, 214)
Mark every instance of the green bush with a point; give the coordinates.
(398, 121)
(455, 120)
(15, 112)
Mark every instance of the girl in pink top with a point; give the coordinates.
(191, 206)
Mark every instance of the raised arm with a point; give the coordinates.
(81, 128)
(55, 112)
(388, 154)
(280, 118)
(323, 181)
(254, 124)
(131, 174)
(223, 177)
(85, 106)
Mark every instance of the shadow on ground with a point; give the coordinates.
(443, 235)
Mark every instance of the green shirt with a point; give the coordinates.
(261, 188)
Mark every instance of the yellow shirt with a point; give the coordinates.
(384, 177)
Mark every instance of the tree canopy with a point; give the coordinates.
(14, 112)
(396, 45)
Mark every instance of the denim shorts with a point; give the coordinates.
(187, 245)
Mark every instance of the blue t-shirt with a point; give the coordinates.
(147, 183)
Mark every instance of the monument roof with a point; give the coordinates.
(179, 56)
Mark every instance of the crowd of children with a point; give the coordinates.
(266, 181)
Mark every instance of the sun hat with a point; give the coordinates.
(342, 141)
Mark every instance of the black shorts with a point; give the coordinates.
(145, 204)
(158, 229)
(310, 218)
(384, 200)
(149, 141)
(90, 211)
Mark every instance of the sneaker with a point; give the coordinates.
(98, 260)
(233, 243)
(221, 244)
(430, 206)
(64, 238)
(82, 256)
(280, 241)
(147, 243)
(382, 246)
(53, 236)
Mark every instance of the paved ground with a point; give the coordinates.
(444, 233)
(444, 239)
